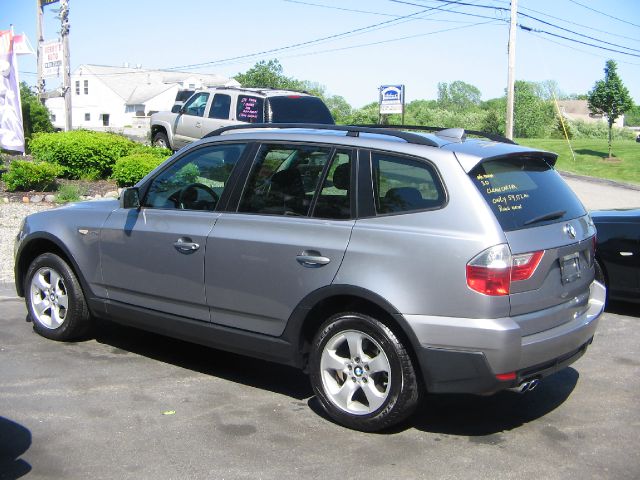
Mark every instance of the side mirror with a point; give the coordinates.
(176, 109)
(130, 198)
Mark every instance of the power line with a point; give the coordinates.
(306, 43)
(605, 14)
(457, 2)
(581, 25)
(333, 7)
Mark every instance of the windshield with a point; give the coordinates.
(525, 191)
(299, 109)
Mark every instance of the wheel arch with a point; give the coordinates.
(321, 304)
(36, 246)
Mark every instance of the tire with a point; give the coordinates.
(362, 374)
(55, 301)
(160, 140)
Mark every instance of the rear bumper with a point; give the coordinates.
(463, 355)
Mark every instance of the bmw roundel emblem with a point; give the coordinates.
(569, 230)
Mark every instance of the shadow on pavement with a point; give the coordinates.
(466, 415)
(229, 366)
(15, 440)
(478, 416)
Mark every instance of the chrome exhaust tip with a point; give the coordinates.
(525, 386)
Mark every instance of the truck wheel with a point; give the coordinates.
(160, 140)
(55, 300)
(361, 373)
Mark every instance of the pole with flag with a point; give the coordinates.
(11, 124)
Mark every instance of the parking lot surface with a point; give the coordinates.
(129, 404)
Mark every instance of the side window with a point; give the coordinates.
(334, 200)
(195, 105)
(196, 181)
(403, 184)
(284, 179)
(220, 106)
(250, 109)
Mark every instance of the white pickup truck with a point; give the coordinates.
(213, 108)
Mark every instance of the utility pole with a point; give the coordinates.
(40, 86)
(66, 64)
(512, 66)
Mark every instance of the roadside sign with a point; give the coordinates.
(51, 58)
(391, 99)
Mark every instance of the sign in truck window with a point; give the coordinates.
(525, 192)
(250, 109)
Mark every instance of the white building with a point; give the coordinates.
(579, 110)
(119, 97)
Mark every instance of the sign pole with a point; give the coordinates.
(66, 67)
(40, 86)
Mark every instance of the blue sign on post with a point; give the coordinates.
(391, 99)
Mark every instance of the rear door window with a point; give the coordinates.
(525, 191)
(220, 106)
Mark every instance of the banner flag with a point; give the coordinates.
(11, 131)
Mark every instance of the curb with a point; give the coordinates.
(600, 181)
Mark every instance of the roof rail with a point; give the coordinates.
(352, 131)
(423, 128)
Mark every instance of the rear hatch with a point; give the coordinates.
(540, 213)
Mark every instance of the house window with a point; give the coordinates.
(53, 118)
(77, 87)
(138, 109)
(87, 117)
(86, 87)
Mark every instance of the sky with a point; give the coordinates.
(352, 47)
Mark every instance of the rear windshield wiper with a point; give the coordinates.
(546, 216)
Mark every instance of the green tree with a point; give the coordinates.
(632, 117)
(610, 97)
(458, 95)
(533, 115)
(339, 108)
(269, 74)
(35, 116)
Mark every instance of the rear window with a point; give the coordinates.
(298, 109)
(525, 191)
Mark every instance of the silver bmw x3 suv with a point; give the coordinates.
(384, 263)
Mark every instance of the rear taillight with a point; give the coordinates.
(492, 271)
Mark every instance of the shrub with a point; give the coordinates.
(25, 175)
(70, 193)
(82, 153)
(131, 169)
(599, 130)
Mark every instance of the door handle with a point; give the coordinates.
(198, 125)
(312, 259)
(185, 245)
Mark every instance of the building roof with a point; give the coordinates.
(136, 85)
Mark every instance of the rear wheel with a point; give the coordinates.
(361, 373)
(54, 299)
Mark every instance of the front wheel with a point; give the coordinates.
(54, 299)
(161, 140)
(361, 373)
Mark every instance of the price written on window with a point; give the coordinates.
(249, 108)
(500, 198)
